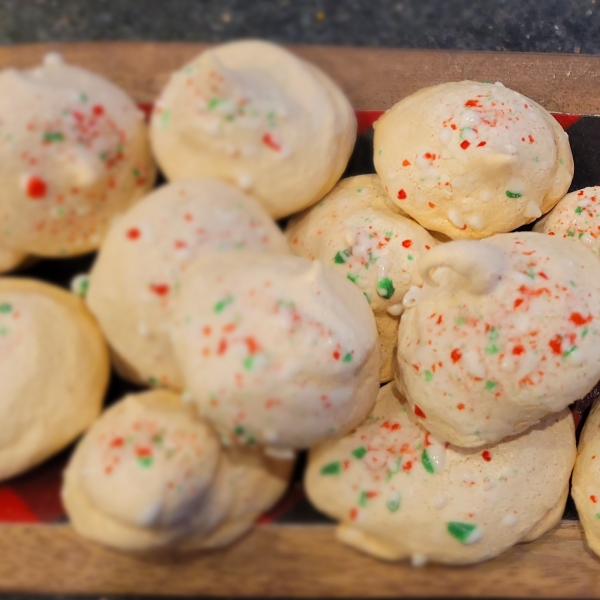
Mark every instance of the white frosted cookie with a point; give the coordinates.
(144, 256)
(357, 230)
(503, 333)
(149, 474)
(11, 259)
(472, 159)
(399, 493)
(74, 151)
(54, 371)
(253, 114)
(586, 479)
(576, 216)
(275, 350)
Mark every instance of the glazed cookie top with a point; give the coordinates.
(145, 254)
(472, 159)
(275, 350)
(576, 216)
(504, 332)
(358, 231)
(147, 462)
(253, 114)
(400, 493)
(74, 151)
(54, 365)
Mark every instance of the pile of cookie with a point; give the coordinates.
(257, 343)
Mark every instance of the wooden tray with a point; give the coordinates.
(306, 561)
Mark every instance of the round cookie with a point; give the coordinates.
(576, 216)
(11, 259)
(472, 159)
(399, 493)
(74, 151)
(144, 255)
(358, 231)
(275, 350)
(503, 333)
(148, 474)
(255, 115)
(586, 479)
(54, 371)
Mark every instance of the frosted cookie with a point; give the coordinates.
(145, 255)
(54, 371)
(472, 159)
(275, 350)
(399, 493)
(586, 479)
(74, 152)
(356, 230)
(11, 259)
(576, 216)
(253, 114)
(503, 333)
(148, 474)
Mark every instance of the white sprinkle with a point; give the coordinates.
(456, 219)
(52, 59)
(445, 136)
(150, 514)
(280, 453)
(469, 118)
(187, 397)
(532, 210)
(80, 284)
(476, 222)
(474, 537)
(473, 364)
(143, 330)
(418, 560)
(412, 296)
(441, 501)
(485, 196)
(395, 310)
(350, 237)
(245, 182)
(509, 520)
(375, 459)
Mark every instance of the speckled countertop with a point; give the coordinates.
(518, 25)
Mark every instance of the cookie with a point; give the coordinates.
(503, 333)
(275, 350)
(358, 231)
(255, 115)
(399, 493)
(54, 367)
(576, 216)
(144, 256)
(472, 159)
(149, 475)
(11, 259)
(74, 153)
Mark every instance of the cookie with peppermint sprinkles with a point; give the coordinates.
(74, 151)
(576, 216)
(504, 332)
(144, 256)
(399, 493)
(253, 114)
(149, 474)
(358, 231)
(54, 368)
(275, 350)
(472, 159)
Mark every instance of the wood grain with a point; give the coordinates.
(373, 78)
(307, 561)
(287, 561)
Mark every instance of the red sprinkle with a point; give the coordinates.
(98, 110)
(133, 234)
(593, 499)
(336, 355)
(465, 144)
(455, 355)
(268, 140)
(353, 514)
(431, 205)
(401, 195)
(486, 455)
(252, 344)
(578, 319)
(556, 345)
(117, 442)
(222, 347)
(36, 188)
(481, 144)
(407, 243)
(518, 350)
(460, 406)
(419, 412)
(518, 302)
(405, 163)
(160, 289)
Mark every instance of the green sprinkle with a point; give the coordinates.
(5, 307)
(580, 235)
(428, 375)
(490, 385)
(410, 257)
(389, 234)
(570, 351)
(334, 468)
(353, 278)
(239, 430)
(222, 304)
(248, 363)
(597, 515)
(461, 321)
(54, 136)
(578, 210)
(153, 381)
(584, 332)
(157, 439)
(385, 287)
(213, 103)
(145, 461)
(426, 462)
(347, 358)
(368, 297)
(359, 452)
(493, 334)
(136, 173)
(80, 285)
(341, 257)
(561, 161)
(393, 505)
(3, 331)
(83, 97)
(513, 194)
(165, 118)
(536, 159)
(571, 233)
(461, 531)
(380, 151)
(493, 349)
(359, 190)
(573, 284)
(362, 499)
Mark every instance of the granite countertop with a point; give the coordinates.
(517, 25)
